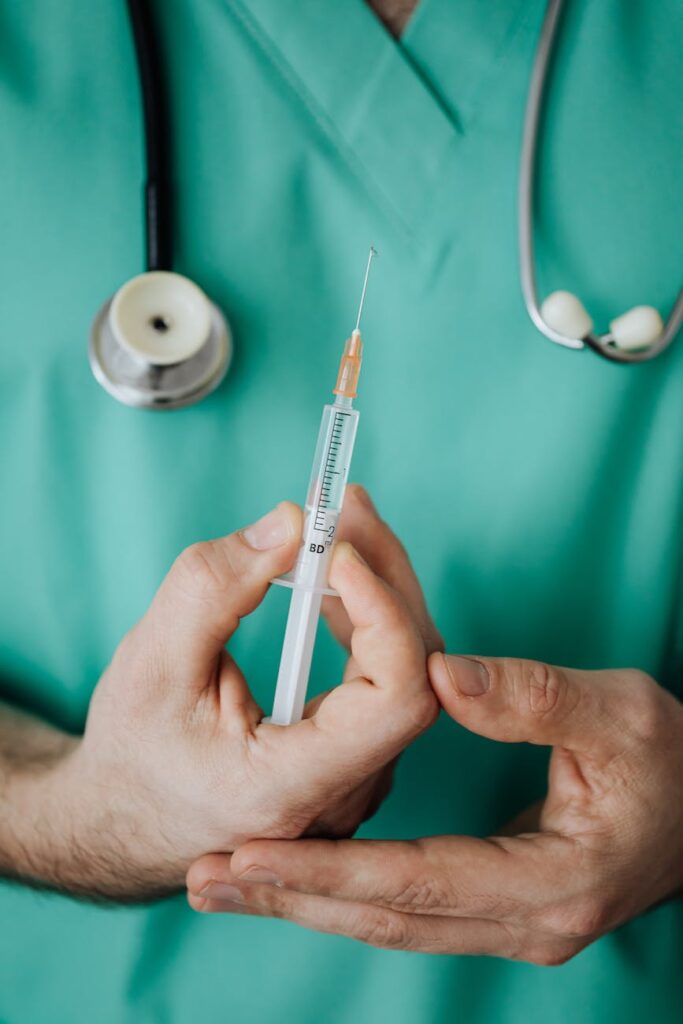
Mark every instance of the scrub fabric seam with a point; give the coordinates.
(351, 160)
(474, 108)
(504, 54)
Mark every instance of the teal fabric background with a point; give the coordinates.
(538, 490)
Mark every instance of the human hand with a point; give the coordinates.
(604, 845)
(361, 526)
(175, 759)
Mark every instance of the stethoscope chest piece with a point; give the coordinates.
(159, 342)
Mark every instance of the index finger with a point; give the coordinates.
(454, 876)
(386, 641)
(362, 527)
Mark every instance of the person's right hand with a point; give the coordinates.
(176, 761)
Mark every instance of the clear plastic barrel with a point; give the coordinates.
(324, 498)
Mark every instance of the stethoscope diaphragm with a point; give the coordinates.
(159, 342)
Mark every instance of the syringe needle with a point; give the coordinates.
(373, 252)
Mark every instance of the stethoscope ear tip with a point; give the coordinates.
(159, 342)
(634, 331)
(565, 314)
(637, 329)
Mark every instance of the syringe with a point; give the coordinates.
(308, 578)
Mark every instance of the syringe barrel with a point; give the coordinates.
(325, 494)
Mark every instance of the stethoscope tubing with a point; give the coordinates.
(158, 197)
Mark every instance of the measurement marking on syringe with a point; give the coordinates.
(335, 443)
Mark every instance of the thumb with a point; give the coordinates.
(212, 585)
(516, 701)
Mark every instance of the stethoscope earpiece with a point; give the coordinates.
(566, 314)
(159, 342)
(637, 329)
(633, 331)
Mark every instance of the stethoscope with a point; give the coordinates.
(160, 343)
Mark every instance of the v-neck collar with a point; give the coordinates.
(459, 45)
(397, 125)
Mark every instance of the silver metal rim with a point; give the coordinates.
(137, 383)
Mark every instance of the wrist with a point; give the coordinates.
(36, 813)
(103, 841)
(71, 824)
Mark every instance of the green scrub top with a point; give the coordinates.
(538, 490)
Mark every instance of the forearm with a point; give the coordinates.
(33, 819)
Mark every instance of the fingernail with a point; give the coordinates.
(468, 676)
(259, 874)
(271, 531)
(222, 891)
(224, 907)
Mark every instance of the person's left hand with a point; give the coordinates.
(604, 845)
(361, 526)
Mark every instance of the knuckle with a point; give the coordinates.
(206, 568)
(420, 894)
(195, 570)
(546, 689)
(514, 944)
(580, 918)
(384, 929)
